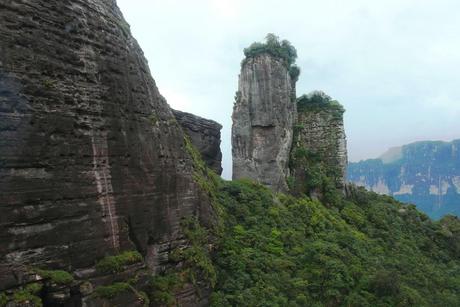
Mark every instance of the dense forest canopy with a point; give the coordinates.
(279, 250)
(366, 250)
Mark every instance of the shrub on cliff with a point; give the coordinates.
(115, 264)
(281, 49)
(318, 99)
(56, 276)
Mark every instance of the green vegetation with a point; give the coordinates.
(112, 290)
(124, 27)
(25, 297)
(281, 250)
(450, 230)
(313, 175)
(316, 171)
(3, 299)
(196, 268)
(34, 288)
(197, 255)
(49, 84)
(366, 250)
(280, 49)
(294, 72)
(56, 276)
(196, 263)
(207, 179)
(28, 295)
(318, 100)
(144, 297)
(115, 264)
(153, 118)
(163, 287)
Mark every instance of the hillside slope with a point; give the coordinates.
(362, 249)
(366, 250)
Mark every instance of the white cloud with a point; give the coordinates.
(177, 100)
(442, 102)
(227, 8)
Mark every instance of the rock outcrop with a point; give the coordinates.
(92, 161)
(426, 174)
(205, 136)
(319, 148)
(263, 118)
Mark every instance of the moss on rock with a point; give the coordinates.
(115, 264)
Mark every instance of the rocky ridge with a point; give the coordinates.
(205, 136)
(424, 173)
(263, 118)
(281, 142)
(319, 146)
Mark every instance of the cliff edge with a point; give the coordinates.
(205, 136)
(93, 162)
(263, 119)
(319, 152)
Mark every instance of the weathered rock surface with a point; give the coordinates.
(263, 117)
(205, 136)
(84, 171)
(319, 142)
(426, 174)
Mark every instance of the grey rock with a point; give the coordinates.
(84, 172)
(205, 136)
(320, 133)
(263, 117)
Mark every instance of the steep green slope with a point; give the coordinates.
(424, 173)
(368, 250)
(278, 250)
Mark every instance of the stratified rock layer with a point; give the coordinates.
(84, 171)
(263, 117)
(426, 174)
(319, 143)
(205, 136)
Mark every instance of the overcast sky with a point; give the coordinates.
(393, 64)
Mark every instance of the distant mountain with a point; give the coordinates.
(426, 174)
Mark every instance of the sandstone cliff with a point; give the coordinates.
(424, 173)
(205, 136)
(319, 148)
(92, 161)
(263, 118)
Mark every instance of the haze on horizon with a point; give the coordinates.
(393, 64)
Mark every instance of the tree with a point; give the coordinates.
(284, 50)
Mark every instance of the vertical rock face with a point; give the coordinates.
(263, 117)
(426, 174)
(84, 170)
(205, 136)
(319, 147)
